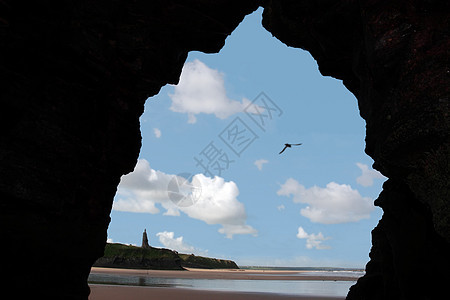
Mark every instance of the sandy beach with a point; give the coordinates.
(108, 292)
(113, 292)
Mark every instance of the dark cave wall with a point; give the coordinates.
(394, 57)
(74, 76)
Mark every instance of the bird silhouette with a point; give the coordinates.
(288, 146)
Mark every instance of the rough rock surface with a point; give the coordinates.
(74, 76)
(394, 57)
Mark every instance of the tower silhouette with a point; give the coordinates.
(145, 240)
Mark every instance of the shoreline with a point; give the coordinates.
(233, 274)
(108, 291)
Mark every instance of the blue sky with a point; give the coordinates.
(310, 206)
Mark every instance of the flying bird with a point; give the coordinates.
(289, 146)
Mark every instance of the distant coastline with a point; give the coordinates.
(302, 268)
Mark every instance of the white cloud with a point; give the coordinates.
(230, 229)
(313, 240)
(141, 189)
(157, 132)
(333, 204)
(368, 175)
(281, 207)
(202, 90)
(260, 162)
(169, 240)
(218, 204)
(211, 200)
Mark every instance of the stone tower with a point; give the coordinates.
(145, 240)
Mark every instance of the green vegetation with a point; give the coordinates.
(193, 261)
(125, 251)
(132, 257)
(127, 256)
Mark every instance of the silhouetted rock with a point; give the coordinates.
(393, 56)
(74, 76)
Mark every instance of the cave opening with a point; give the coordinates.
(325, 188)
(75, 77)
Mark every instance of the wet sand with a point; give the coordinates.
(235, 274)
(108, 292)
(116, 292)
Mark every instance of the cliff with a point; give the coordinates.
(194, 261)
(132, 257)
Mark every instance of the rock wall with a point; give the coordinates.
(74, 75)
(394, 57)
